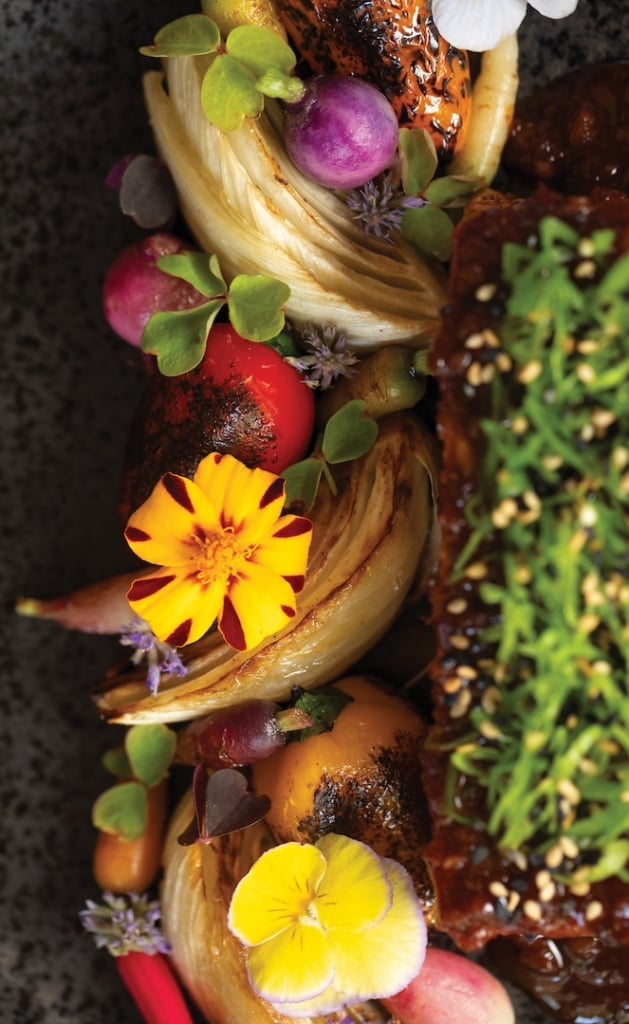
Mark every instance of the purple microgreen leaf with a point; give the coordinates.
(198, 269)
(178, 339)
(147, 192)
(229, 94)
(349, 433)
(117, 762)
(429, 230)
(256, 306)
(189, 36)
(113, 179)
(302, 483)
(122, 810)
(418, 159)
(451, 191)
(229, 805)
(150, 749)
(199, 785)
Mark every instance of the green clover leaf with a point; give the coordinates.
(189, 36)
(122, 810)
(178, 339)
(349, 433)
(255, 306)
(418, 160)
(150, 749)
(429, 230)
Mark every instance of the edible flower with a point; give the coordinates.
(161, 658)
(482, 24)
(225, 551)
(327, 926)
(326, 356)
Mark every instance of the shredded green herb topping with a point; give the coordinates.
(552, 745)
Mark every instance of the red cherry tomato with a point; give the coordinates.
(243, 399)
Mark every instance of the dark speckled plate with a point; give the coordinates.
(71, 106)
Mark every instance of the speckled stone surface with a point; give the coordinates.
(71, 106)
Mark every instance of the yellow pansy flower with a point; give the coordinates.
(225, 550)
(327, 925)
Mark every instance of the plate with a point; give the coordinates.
(72, 107)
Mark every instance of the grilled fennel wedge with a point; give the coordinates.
(372, 542)
(245, 201)
(196, 891)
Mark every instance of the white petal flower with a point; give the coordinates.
(482, 24)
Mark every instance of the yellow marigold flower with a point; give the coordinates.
(226, 551)
(327, 926)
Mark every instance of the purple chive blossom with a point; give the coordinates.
(325, 356)
(125, 924)
(379, 207)
(161, 658)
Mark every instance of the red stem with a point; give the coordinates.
(154, 988)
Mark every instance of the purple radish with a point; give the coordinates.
(342, 132)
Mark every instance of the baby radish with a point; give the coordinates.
(153, 987)
(342, 132)
(239, 735)
(135, 288)
(97, 608)
(451, 989)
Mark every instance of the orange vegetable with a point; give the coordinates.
(396, 46)
(121, 865)
(360, 779)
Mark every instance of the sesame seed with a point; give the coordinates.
(475, 341)
(490, 731)
(554, 856)
(474, 375)
(520, 425)
(548, 893)
(601, 667)
(476, 571)
(588, 516)
(519, 859)
(488, 373)
(512, 902)
(499, 890)
(503, 362)
(457, 606)
(571, 722)
(466, 672)
(452, 684)
(532, 910)
(486, 292)
(588, 623)
(569, 847)
(588, 346)
(578, 542)
(586, 373)
(593, 910)
(585, 270)
(542, 878)
(585, 248)
(491, 699)
(535, 740)
(620, 457)
(552, 462)
(491, 339)
(530, 371)
(603, 418)
(460, 643)
(588, 767)
(580, 888)
(523, 575)
(461, 704)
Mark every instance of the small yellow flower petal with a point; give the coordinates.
(162, 530)
(178, 609)
(250, 500)
(296, 963)
(286, 549)
(381, 961)
(276, 892)
(259, 604)
(355, 892)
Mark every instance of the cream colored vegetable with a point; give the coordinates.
(245, 201)
(371, 542)
(198, 884)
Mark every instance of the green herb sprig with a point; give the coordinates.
(553, 755)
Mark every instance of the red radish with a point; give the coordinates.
(135, 287)
(451, 989)
(98, 608)
(154, 988)
(240, 734)
(342, 132)
(243, 399)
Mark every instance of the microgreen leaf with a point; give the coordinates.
(451, 191)
(418, 159)
(259, 49)
(349, 433)
(147, 192)
(178, 339)
(150, 749)
(323, 706)
(429, 230)
(122, 810)
(223, 804)
(229, 94)
(117, 762)
(189, 36)
(302, 482)
(255, 306)
(198, 269)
